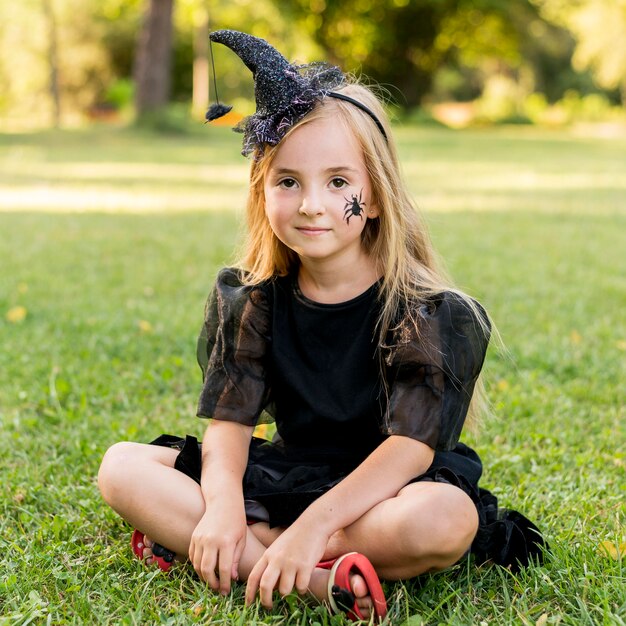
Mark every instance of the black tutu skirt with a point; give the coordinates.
(277, 488)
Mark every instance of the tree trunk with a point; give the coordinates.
(53, 62)
(201, 62)
(153, 58)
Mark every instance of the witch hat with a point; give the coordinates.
(284, 92)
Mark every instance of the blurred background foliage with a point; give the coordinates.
(67, 62)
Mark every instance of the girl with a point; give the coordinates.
(339, 326)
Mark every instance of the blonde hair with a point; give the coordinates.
(397, 241)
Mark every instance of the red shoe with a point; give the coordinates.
(341, 598)
(162, 557)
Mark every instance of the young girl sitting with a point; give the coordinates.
(338, 325)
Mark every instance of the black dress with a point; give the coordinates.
(317, 370)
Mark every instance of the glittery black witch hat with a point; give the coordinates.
(284, 92)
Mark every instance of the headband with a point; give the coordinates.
(284, 92)
(360, 105)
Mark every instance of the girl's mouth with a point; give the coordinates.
(310, 230)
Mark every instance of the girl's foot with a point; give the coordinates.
(146, 548)
(350, 585)
(150, 552)
(358, 588)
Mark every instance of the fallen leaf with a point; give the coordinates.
(613, 550)
(543, 620)
(575, 337)
(16, 314)
(145, 326)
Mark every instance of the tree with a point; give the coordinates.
(599, 27)
(153, 58)
(391, 41)
(404, 43)
(53, 61)
(200, 95)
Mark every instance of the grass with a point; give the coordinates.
(109, 244)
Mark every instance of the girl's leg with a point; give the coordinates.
(428, 526)
(140, 483)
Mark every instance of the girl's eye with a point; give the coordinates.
(338, 183)
(287, 183)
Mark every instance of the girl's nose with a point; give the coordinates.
(311, 204)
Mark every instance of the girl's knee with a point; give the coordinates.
(126, 465)
(450, 523)
(114, 469)
(459, 517)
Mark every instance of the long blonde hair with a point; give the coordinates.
(398, 240)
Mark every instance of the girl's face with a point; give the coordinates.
(318, 192)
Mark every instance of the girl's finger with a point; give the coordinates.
(239, 548)
(253, 581)
(286, 583)
(206, 569)
(267, 585)
(303, 579)
(192, 550)
(225, 569)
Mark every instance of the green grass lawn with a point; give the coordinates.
(109, 243)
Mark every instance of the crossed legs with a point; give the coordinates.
(427, 526)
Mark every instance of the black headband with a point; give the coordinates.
(360, 105)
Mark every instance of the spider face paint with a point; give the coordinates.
(354, 206)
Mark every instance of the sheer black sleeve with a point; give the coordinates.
(232, 349)
(431, 370)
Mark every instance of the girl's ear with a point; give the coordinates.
(373, 212)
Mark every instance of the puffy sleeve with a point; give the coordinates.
(232, 349)
(431, 370)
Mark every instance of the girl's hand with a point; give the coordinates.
(218, 542)
(287, 563)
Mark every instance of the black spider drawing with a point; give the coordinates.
(354, 206)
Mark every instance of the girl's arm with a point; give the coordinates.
(219, 538)
(290, 560)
